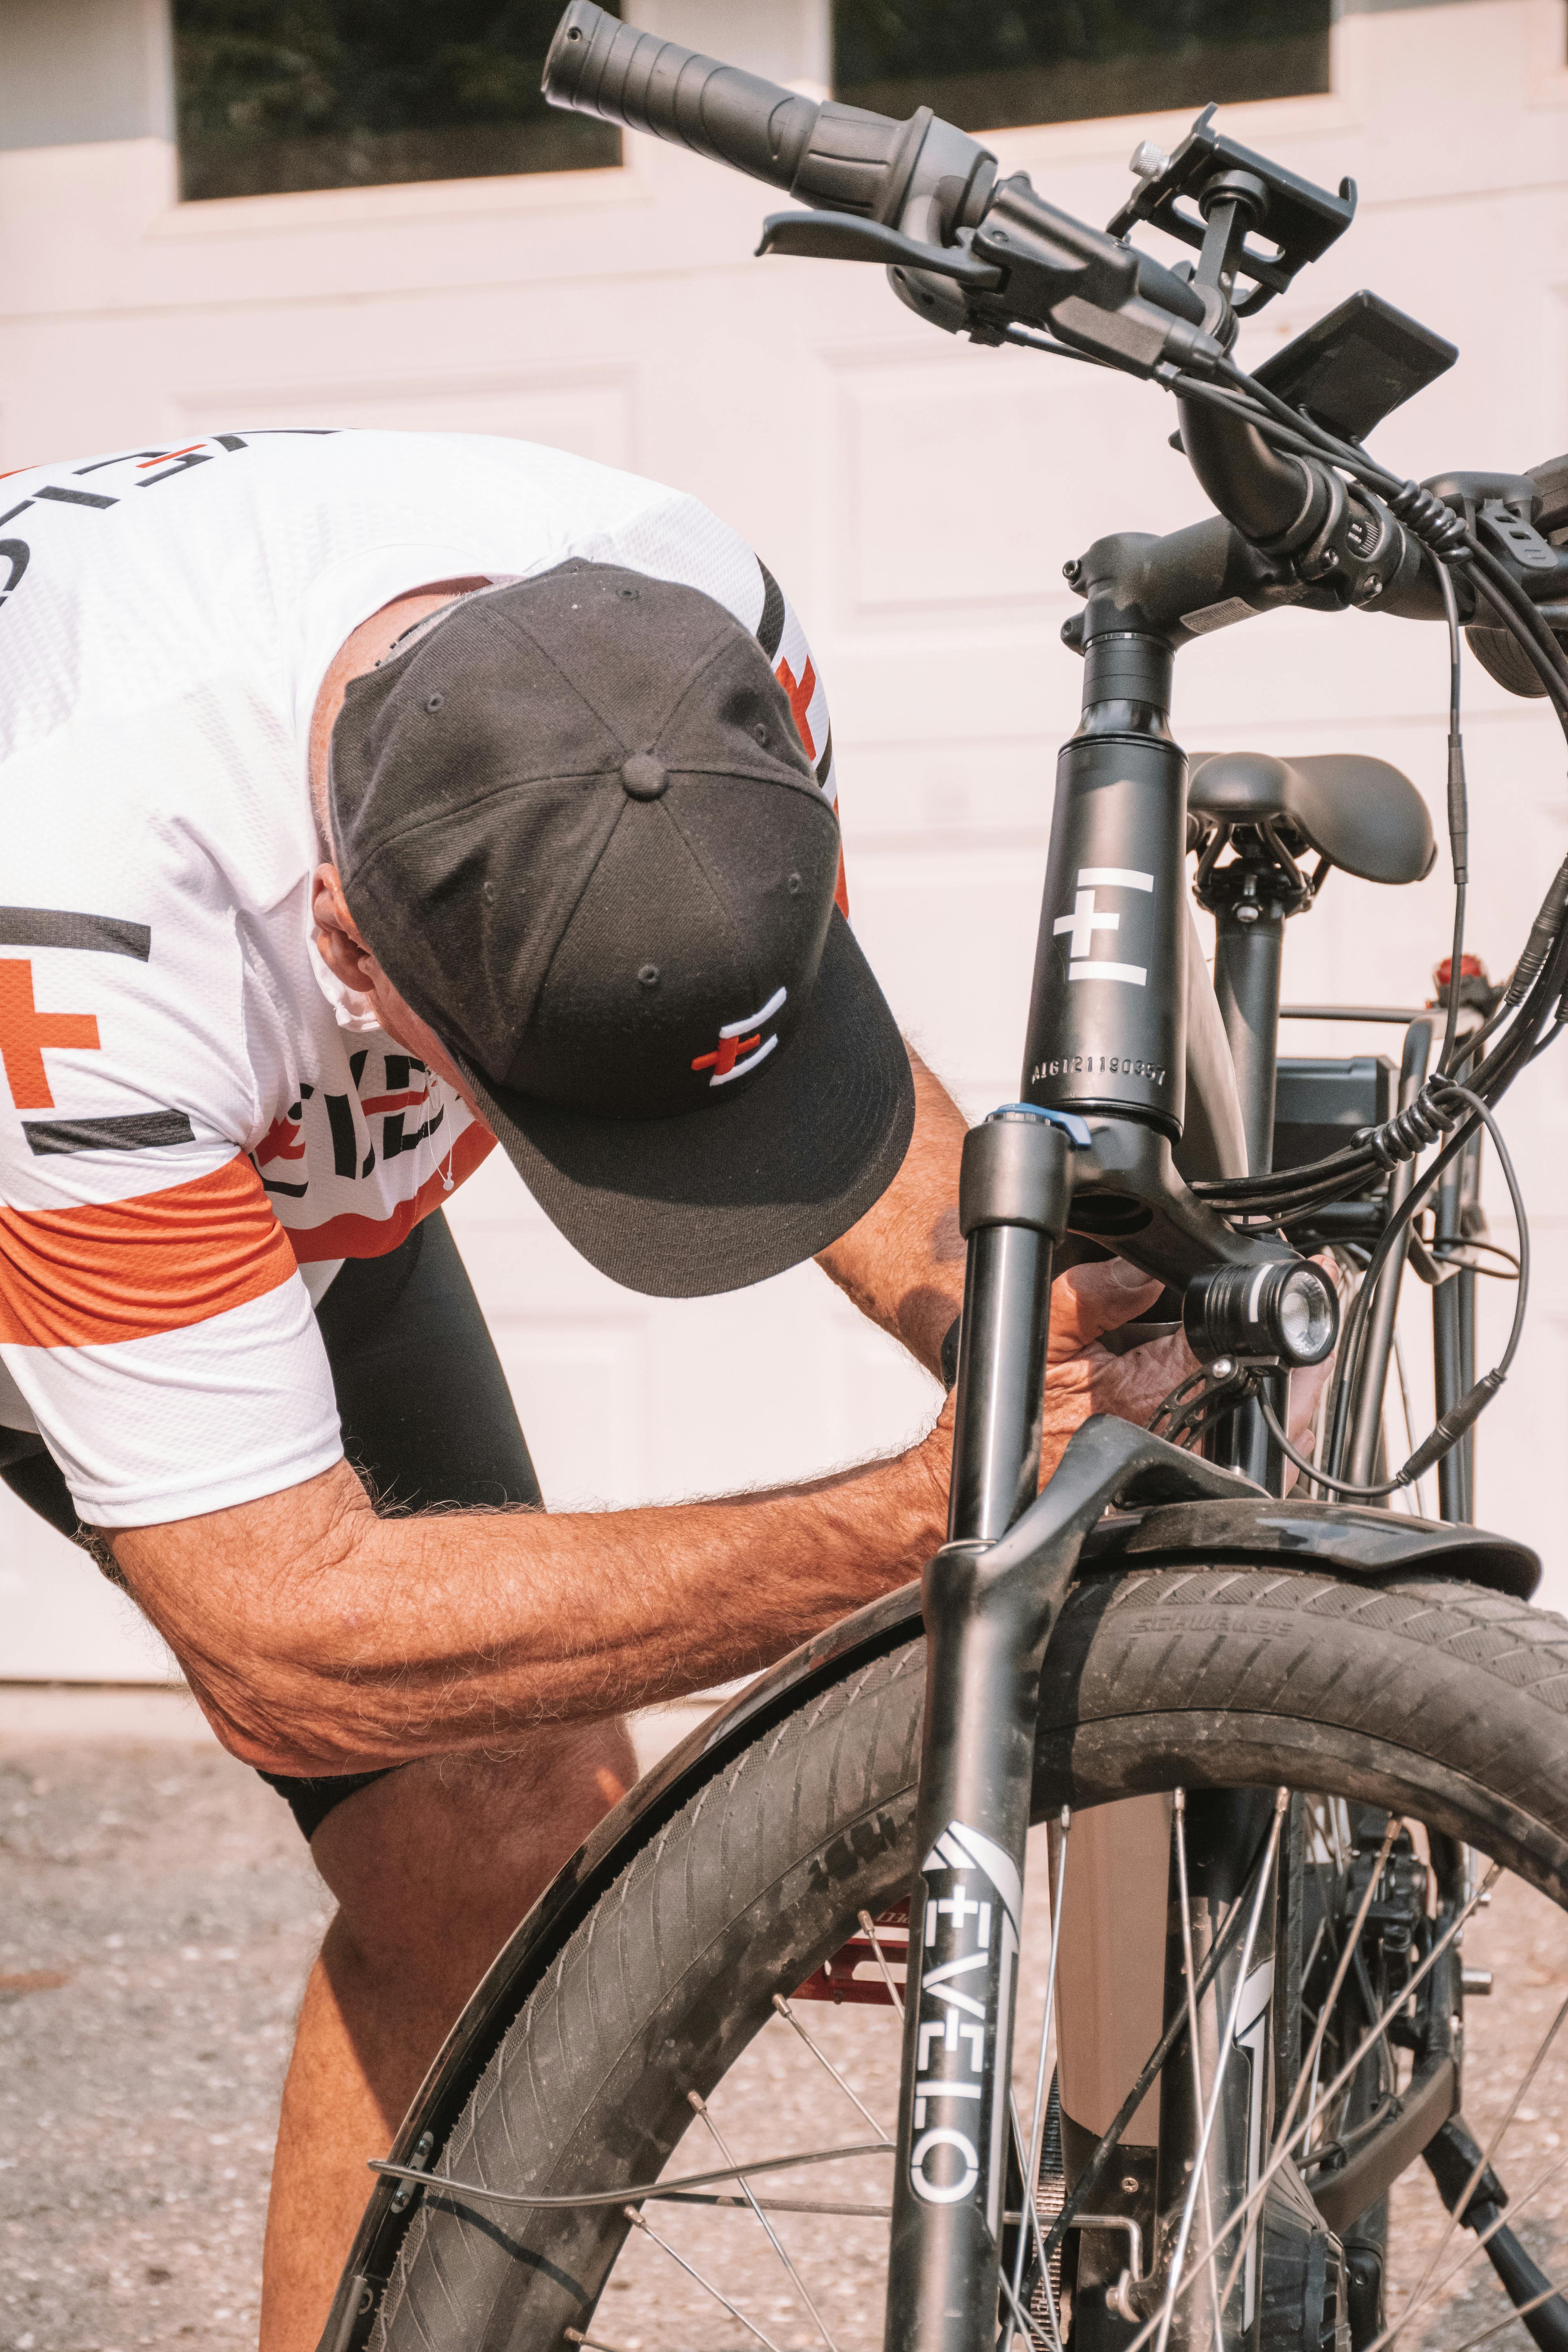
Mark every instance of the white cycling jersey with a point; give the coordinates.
(199, 1125)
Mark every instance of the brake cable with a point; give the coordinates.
(1447, 1432)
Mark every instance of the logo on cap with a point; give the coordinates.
(727, 1063)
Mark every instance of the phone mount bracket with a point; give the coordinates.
(1213, 177)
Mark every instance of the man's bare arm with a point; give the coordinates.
(903, 1263)
(320, 1638)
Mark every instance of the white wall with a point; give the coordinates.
(918, 497)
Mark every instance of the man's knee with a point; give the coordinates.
(437, 1861)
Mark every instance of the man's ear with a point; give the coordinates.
(338, 938)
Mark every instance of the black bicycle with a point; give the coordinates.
(1276, 1747)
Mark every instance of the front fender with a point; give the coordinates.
(1353, 1540)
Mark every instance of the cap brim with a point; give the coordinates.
(735, 1191)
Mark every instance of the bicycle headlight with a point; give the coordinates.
(1284, 1312)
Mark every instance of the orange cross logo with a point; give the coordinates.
(736, 1053)
(24, 1032)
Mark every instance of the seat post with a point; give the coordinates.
(1251, 896)
(1249, 936)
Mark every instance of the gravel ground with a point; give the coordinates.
(160, 1915)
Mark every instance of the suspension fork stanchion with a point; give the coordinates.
(984, 1649)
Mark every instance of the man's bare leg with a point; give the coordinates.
(432, 1868)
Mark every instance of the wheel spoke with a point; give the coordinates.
(869, 1928)
(483, 2196)
(1547, 2039)
(1250, 2203)
(823, 2060)
(1516, 2311)
(1026, 2320)
(1314, 2052)
(1031, 2167)
(1110, 2139)
(1211, 2112)
(1029, 2228)
(700, 2105)
(1324, 2099)
(706, 2284)
(1180, 1813)
(1501, 2220)
(839, 2207)
(1341, 1968)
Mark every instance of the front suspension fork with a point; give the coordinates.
(985, 1645)
(991, 1603)
(991, 1596)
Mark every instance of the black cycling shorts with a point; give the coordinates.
(427, 1418)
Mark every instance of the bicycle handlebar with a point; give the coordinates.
(835, 158)
(988, 256)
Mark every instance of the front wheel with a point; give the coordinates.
(656, 2025)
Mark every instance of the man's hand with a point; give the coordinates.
(1084, 1377)
(903, 1265)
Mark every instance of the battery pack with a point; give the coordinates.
(1319, 1105)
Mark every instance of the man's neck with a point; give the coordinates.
(370, 643)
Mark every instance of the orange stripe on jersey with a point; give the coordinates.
(130, 1269)
(352, 1235)
(799, 691)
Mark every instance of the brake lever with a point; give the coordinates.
(841, 236)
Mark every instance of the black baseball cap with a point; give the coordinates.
(575, 824)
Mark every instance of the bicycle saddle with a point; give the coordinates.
(1364, 816)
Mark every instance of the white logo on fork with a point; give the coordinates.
(966, 1961)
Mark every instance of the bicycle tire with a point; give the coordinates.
(1419, 1694)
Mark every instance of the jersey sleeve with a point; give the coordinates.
(152, 1313)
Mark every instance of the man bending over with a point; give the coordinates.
(373, 799)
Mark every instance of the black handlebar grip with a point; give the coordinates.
(837, 158)
(599, 66)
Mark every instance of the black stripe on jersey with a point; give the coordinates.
(76, 498)
(52, 927)
(135, 1131)
(345, 1147)
(825, 765)
(126, 458)
(770, 628)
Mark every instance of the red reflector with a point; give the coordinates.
(855, 1972)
